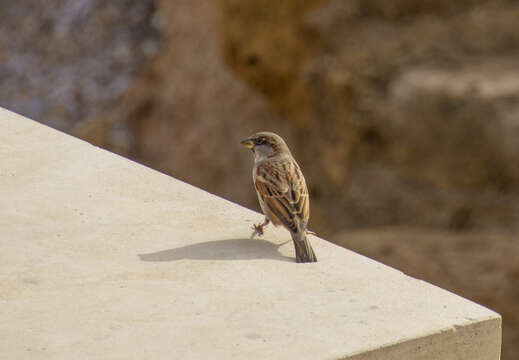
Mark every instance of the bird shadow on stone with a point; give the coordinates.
(228, 249)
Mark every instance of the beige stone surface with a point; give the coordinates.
(103, 258)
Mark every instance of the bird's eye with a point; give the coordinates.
(260, 141)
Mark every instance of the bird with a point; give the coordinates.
(281, 189)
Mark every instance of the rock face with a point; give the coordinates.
(70, 60)
(410, 106)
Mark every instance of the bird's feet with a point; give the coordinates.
(309, 232)
(258, 228)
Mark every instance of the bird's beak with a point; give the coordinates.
(248, 143)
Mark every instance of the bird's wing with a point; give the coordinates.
(282, 188)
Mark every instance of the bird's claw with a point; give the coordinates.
(309, 232)
(258, 228)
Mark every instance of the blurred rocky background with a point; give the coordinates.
(403, 114)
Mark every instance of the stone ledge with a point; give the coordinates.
(105, 258)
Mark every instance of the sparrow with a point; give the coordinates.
(281, 190)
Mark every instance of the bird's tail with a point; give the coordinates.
(304, 251)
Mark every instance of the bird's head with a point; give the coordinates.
(265, 145)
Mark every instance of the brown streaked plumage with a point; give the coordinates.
(281, 189)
